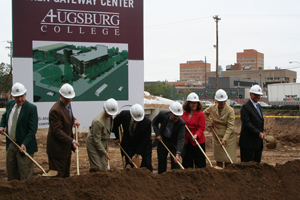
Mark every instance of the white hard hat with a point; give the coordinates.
(111, 106)
(67, 91)
(221, 95)
(256, 89)
(18, 89)
(176, 108)
(193, 97)
(137, 112)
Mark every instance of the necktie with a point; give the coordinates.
(132, 128)
(14, 123)
(257, 108)
(69, 109)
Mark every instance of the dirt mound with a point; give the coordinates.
(239, 181)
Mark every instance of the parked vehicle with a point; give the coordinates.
(284, 95)
(264, 105)
(207, 103)
(236, 104)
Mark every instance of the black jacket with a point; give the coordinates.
(141, 139)
(252, 125)
(178, 131)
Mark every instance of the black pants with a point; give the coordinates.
(146, 157)
(248, 155)
(193, 155)
(162, 154)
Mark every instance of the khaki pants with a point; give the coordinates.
(18, 166)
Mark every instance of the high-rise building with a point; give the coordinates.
(250, 59)
(193, 71)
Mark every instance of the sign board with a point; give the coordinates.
(94, 45)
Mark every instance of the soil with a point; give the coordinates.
(277, 177)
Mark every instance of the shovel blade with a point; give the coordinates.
(51, 173)
(271, 142)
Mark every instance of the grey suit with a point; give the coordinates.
(175, 143)
(252, 125)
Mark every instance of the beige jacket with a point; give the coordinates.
(97, 140)
(223, 125)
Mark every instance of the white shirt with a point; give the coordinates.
(11, 115)
(254, 104)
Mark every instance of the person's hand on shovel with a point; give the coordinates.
(262, 135)
(76, 123)
(159, 138)
(23, 148)
(2, 131)
(117, 142)
(107, 157)
(75, 144)
(223, 143)
(177, 158)
(133, 158)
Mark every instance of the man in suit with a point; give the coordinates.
(21, 121)
(60, 140)
(252, 133)
(172, 132)
(137, 135)
(97, 139)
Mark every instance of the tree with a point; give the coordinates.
(4, 69)
(4, 72)
(163, 89)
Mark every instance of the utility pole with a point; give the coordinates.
(217, 19)
(10, 55)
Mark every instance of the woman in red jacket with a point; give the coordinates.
(195, 121)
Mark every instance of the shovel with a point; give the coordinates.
(77, 156)
(50, 173)
(172, 155)
(222, 146)
(270, 142)
(120, 139)
(127, 156)
(198, 145)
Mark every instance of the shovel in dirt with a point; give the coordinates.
(216, 167)
(172, 154)
(50, 173)
(127, 155)
(222, 146)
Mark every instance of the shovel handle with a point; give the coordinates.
(198, 145)
(37, 164)
(222, 146)
(172, 155)
(127, 155)
(77, 151)
(120, 139)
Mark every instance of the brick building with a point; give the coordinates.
(250, 59)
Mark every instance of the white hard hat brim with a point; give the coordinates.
(138, 119)
(112, 113)
(17, 94)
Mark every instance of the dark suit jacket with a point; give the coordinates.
(60, 134)
(252, 125)
(141, 141)
(178, 131)
(26, 125)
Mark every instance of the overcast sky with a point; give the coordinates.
(179, 31)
